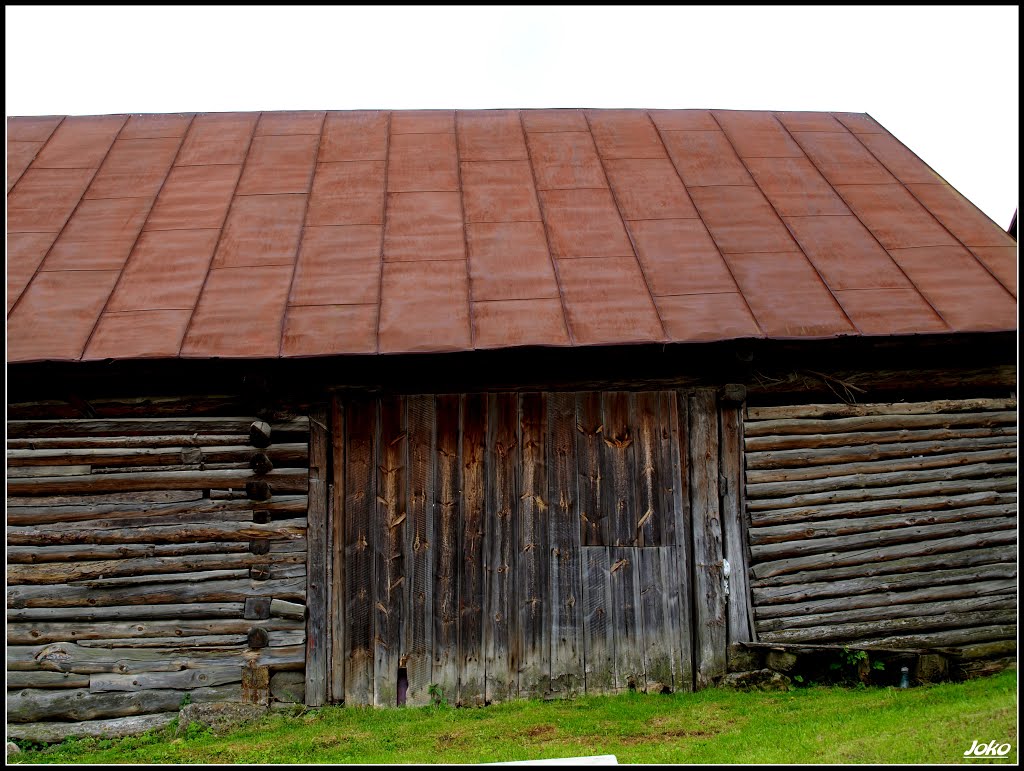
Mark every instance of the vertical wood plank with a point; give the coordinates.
(598, 633)
(565, 590)
(626, 618)
(652, 467)
(445, 674)
(532, 556)
(418, 629)
(593, 520)
(617, 464)
(389, 549)
(337, 623)
(709, 598)
(731, 469)
(501, 682)
(659, 604)
(474, 474)
(360, 494)
(676, 407)
(316, 560)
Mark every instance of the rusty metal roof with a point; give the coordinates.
(285, 234)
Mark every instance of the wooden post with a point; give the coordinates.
(338, 618)
(709, 599)
(733, 525)
(316, 561)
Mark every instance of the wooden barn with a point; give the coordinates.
(378, 408)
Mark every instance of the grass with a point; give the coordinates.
(929, 724)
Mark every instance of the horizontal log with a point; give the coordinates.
(788, 411)
(832, 455)
(980, 634)
(46, 680)
(161, 578)
(67, 572)
(180, 467)
(41, 515)
(292, 545)
(857, 438)
(864, 591)
(954, 487)
(203, 642)
(41, 555)
(759, 476)
(872, 629)
(129, 612)
(865, 543)
(211, 641)
(146, 496)
(34, 633)
(29, 706)
(23, 429)
(181, 680)
(879, 423)
(144, 406)
(115, 728)
(881, 479)
(827, 528)
(982, 650)
(283, 480)
(888, 612)
(71, 657)
(280, 455)
(285, 609)
(280, 570)
(187, 532)
(200, 517)
(874, 508)
(65, 595)
(830, 560)
(128, 442)
(20, 472)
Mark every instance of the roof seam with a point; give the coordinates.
(465, 234)
(778, 216)
(796, 240)
(220, 230)
(142, 229)
(72, 214)
(544, 227)
(864, 224)
(383, 230)
(933, 215)
(302, 229)
(711, 235)
(12, 189)
(629, 236)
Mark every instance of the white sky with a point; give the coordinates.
(944, 80)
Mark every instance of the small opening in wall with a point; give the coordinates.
(403, 685)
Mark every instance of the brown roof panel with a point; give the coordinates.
(648, 189)
(319, 330)
(608, 302)
(313, 233)
(55, 315)
(504, 323)
(707, 317)
(757, 134)
(491, 135)
(510, 261)
(680, 257)
(945, 275)
(25, 252)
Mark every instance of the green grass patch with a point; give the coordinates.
(929, 724)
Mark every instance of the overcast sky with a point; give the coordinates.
(944, 80)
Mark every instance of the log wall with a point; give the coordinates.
(151, 561)
(884, 525)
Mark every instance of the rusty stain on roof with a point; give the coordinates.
(286, 234)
